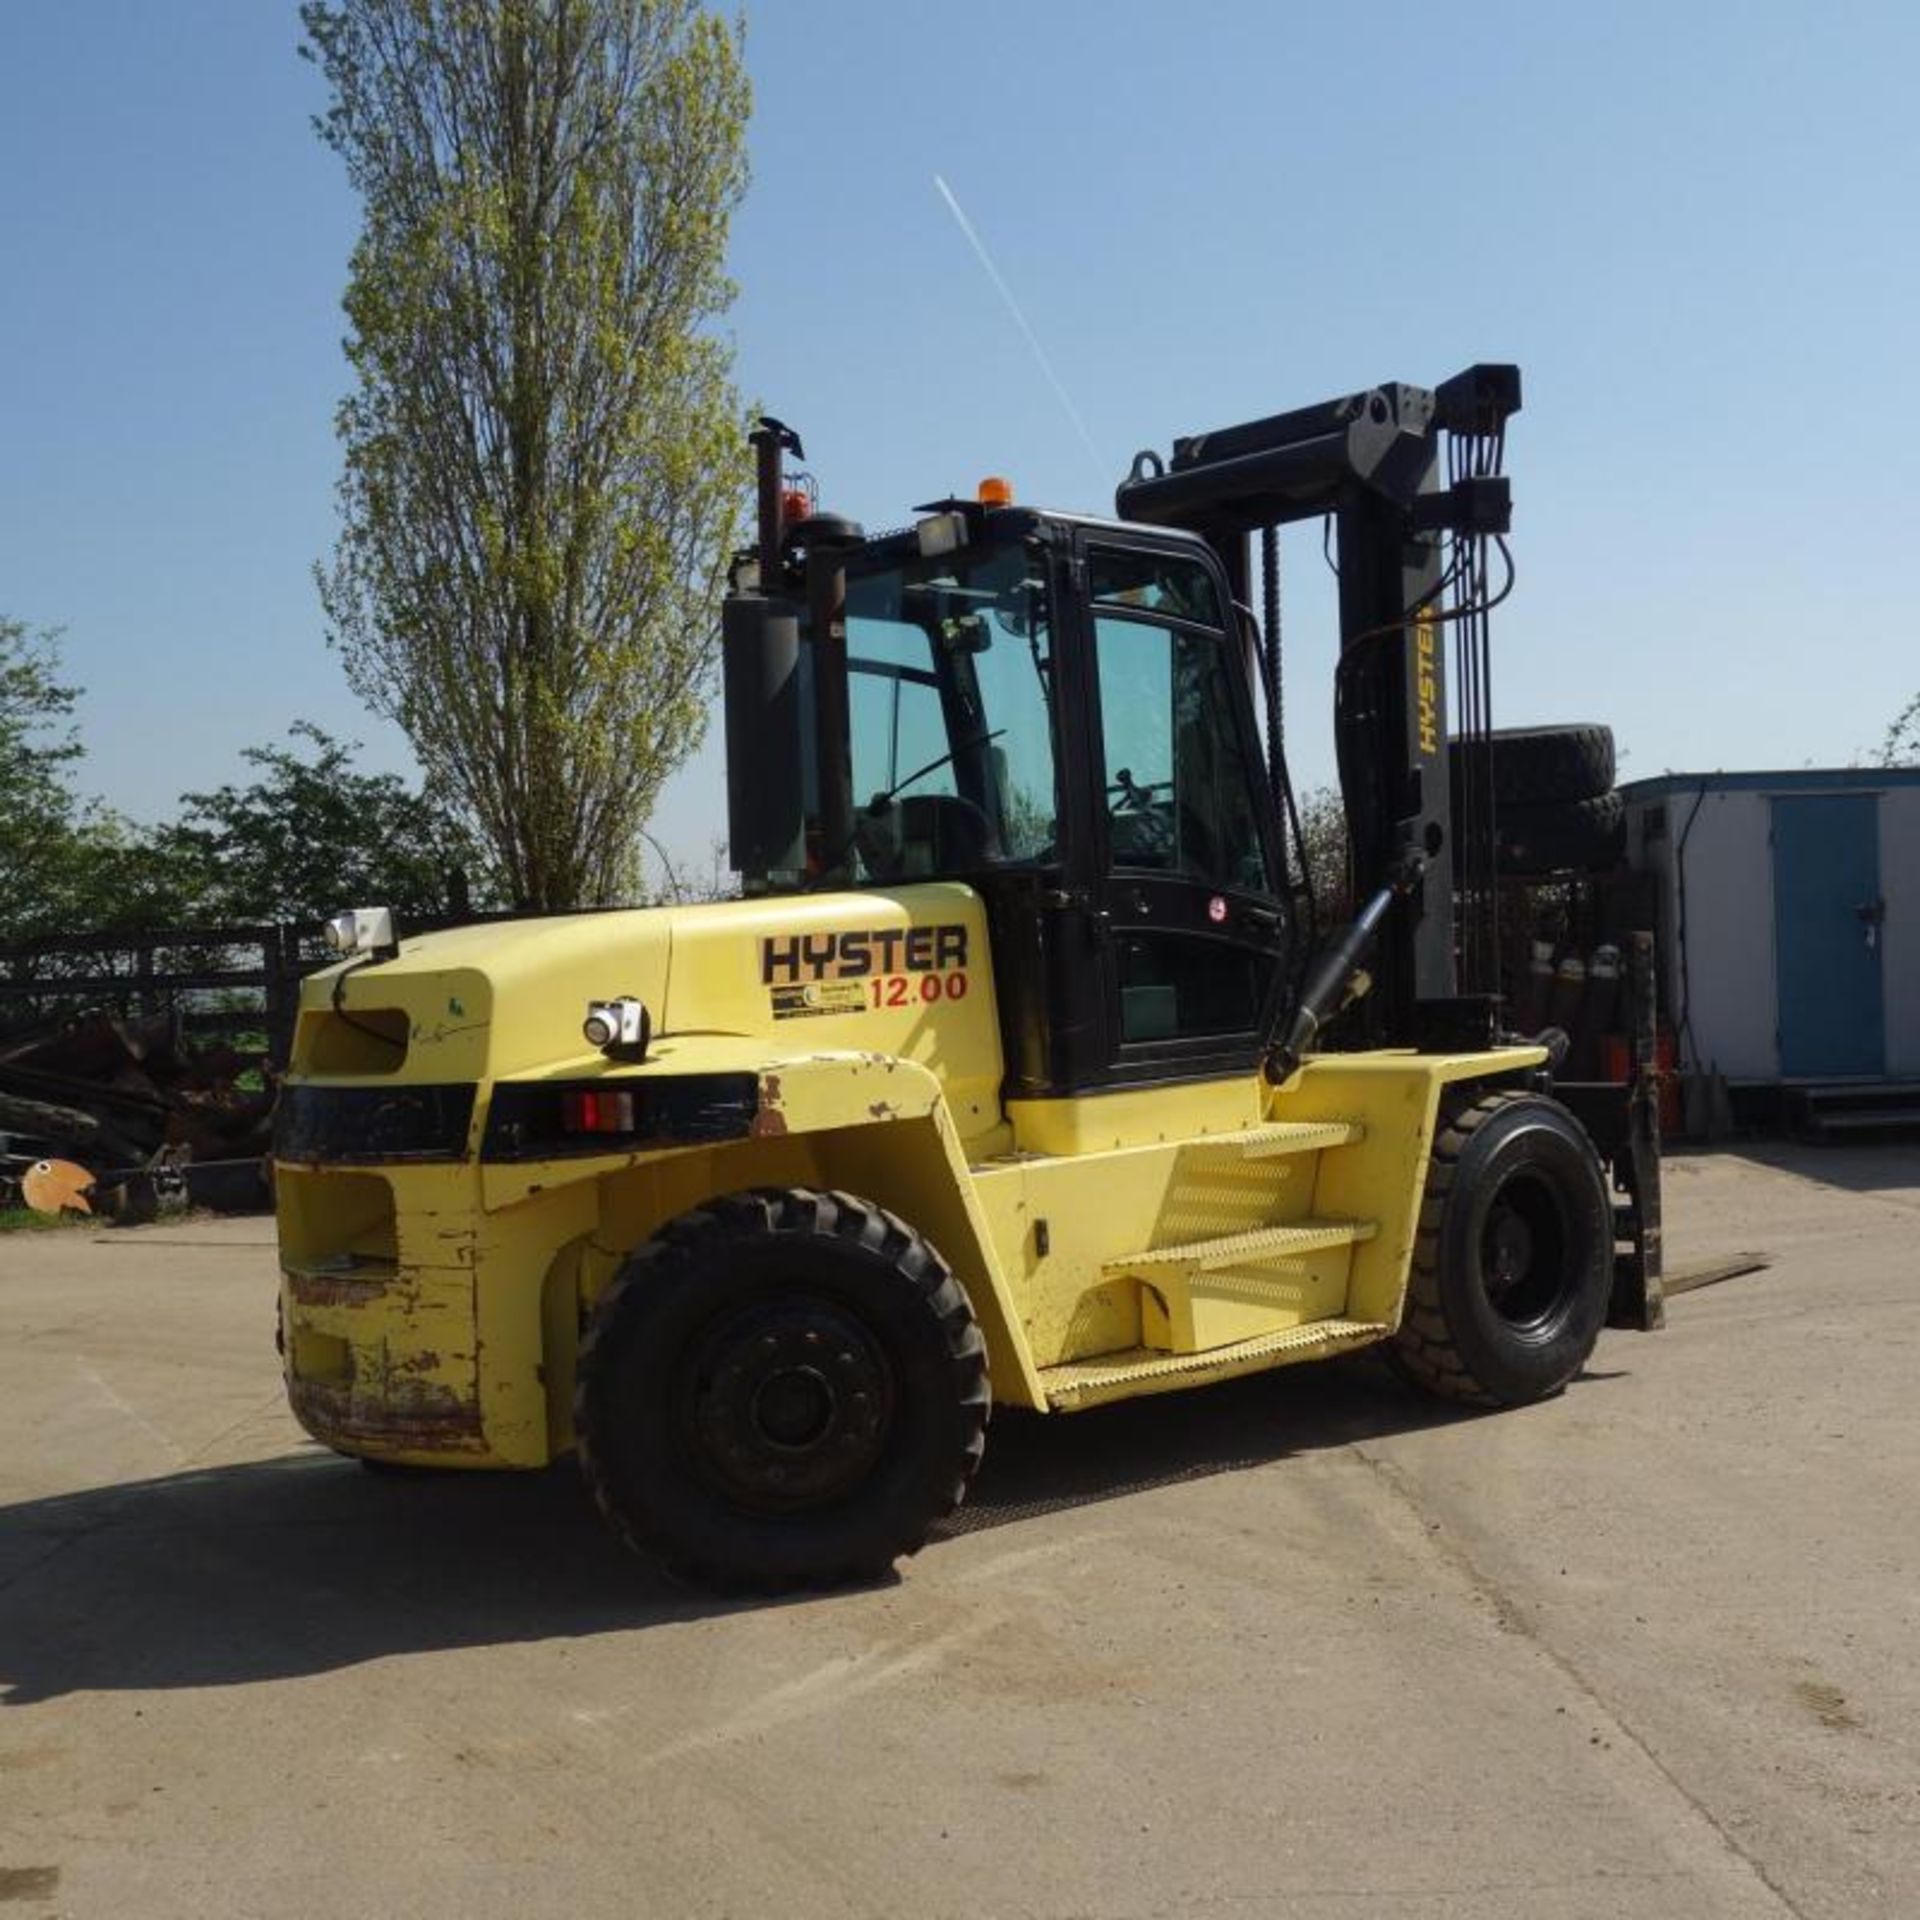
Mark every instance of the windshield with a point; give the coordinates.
(949, 669)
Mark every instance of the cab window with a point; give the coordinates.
(1179, 789)
(1170, 585)
(949, 697)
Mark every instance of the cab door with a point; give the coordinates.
(1191, 880)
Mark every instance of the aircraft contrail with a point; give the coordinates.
(1020, 320)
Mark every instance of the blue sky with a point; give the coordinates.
(1694, 227)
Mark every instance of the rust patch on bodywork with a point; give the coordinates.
(343, 1289)
(768, 1121)
(408, 1415)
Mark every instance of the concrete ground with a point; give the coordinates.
(1302, 1646)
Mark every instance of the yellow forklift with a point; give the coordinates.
(1019, 1074)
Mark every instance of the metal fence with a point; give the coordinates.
(215, 980)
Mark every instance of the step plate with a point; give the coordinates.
(1120, 1376)
(1268, 1141)
(1253, 1248)
(1297, 1136)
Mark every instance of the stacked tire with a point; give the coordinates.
(1555, 807)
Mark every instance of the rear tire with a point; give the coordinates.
(1537, 766)
(1513, 1259)
(1582, 836)
(781, 1389)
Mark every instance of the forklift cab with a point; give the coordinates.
(1056, 711)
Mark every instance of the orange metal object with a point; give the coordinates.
(56, 1186)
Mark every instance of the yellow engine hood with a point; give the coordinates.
(904, 973)
(504, 998)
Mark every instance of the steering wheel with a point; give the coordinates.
(1134, 793)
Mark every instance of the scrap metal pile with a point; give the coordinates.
(124, 1117)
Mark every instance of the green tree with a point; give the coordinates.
(312, 835)
(1323, 826)
(538, 492)
(1901, 747)
(38, 746)
(66, 864)
(307, 836)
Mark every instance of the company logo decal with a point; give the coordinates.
(810, 974)
(1428, 687)
(853, 955)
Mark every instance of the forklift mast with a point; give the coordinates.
(1372, 463)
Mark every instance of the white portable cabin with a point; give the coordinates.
(1789, 907)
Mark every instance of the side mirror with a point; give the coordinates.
(968, 635)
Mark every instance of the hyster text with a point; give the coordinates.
(855, 955)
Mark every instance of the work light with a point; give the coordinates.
(362, 930)
(619, 1028)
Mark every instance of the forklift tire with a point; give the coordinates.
(1513, 1256)
(1581, 836)
(1536, 766)
(781, 1389)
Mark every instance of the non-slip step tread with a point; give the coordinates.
(1074, 1378)
(1253, 1246)
(1298, 1136)
(1268, 1140)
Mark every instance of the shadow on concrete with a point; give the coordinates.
(304, 1564)
(1891, 1168)
(1037, 1465)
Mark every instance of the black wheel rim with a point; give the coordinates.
(1526, 1241)
(788, 1405)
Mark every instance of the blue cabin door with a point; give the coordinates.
(1827, 915)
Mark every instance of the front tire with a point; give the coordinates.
(781, 1389)
(1513, 1259)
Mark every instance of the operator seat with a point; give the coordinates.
(923, 834)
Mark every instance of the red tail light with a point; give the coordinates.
(611, 1111)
